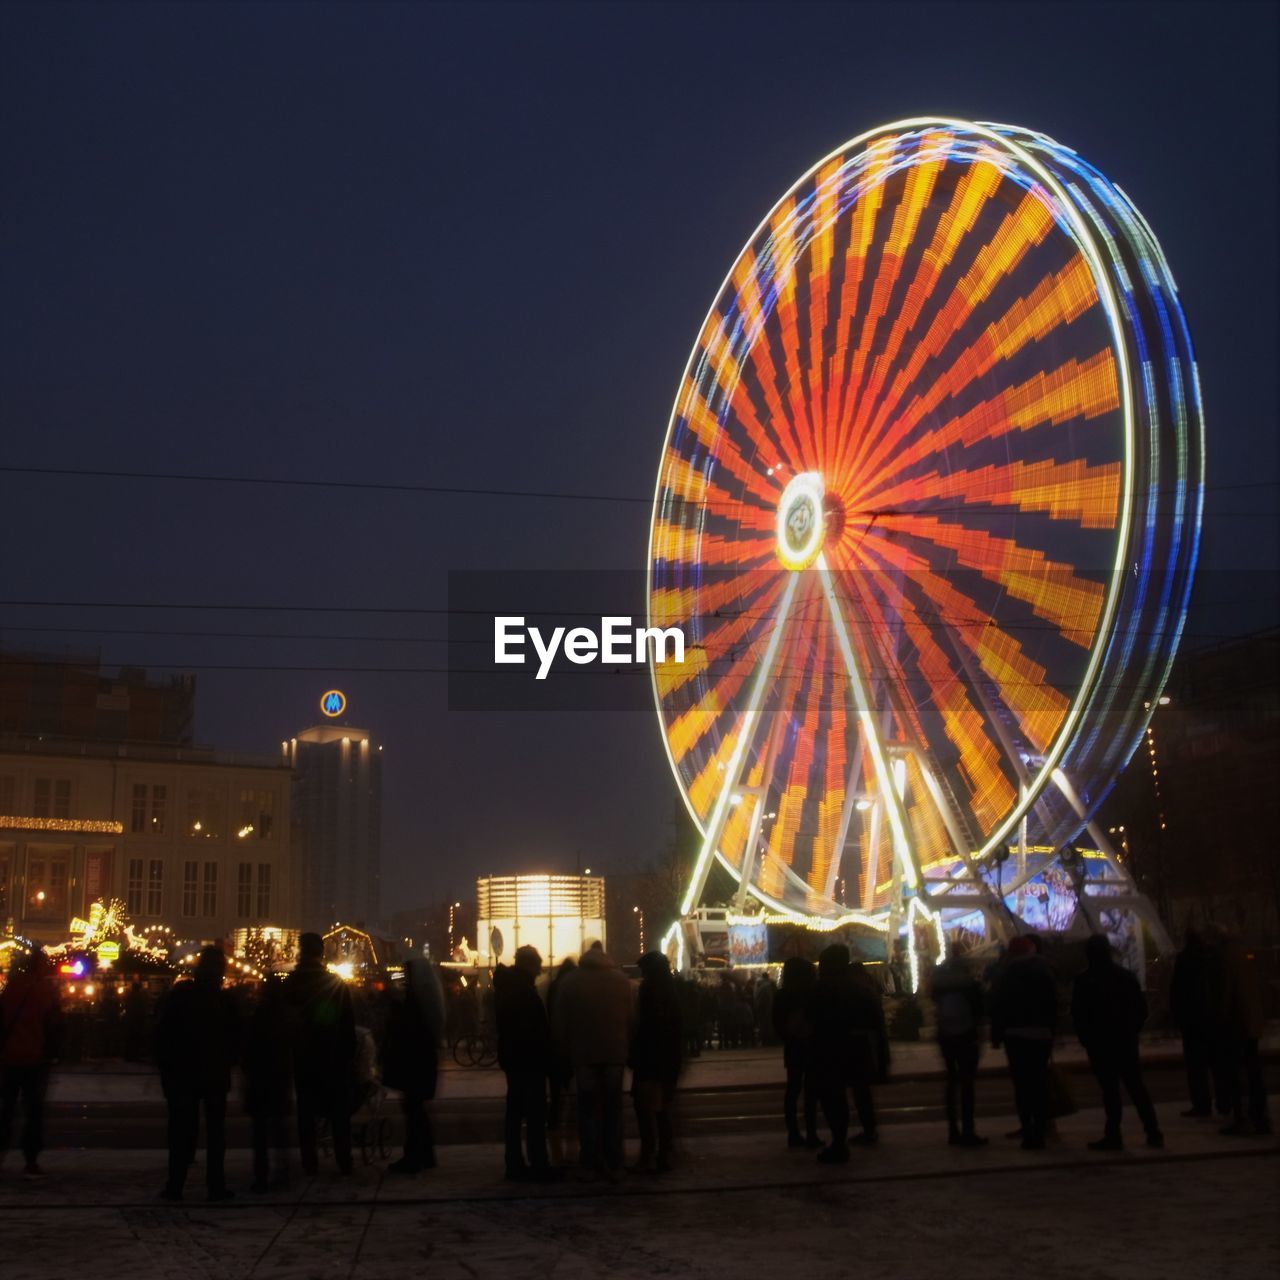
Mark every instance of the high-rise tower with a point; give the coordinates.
(337, 820)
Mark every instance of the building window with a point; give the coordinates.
(204, 813)
(257, 812)
(209, 899)
(52, 798)
(133, 888)
(159, 802)
(8, 794)
(189, 871)
(139, 819)
(47, 887)
(4, 885)
(138, 816)
(155, 887)
(244, 889)
(264, 890)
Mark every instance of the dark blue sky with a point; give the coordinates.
(472, 246)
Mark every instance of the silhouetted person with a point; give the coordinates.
(137, 1009)
(957, 1004)
(1108, 1010)
(524, 1054)
(410, 1060)
(323, 1045)
(30, 1035)
(1239, 1022)
(109, 1021)
(593, 1023)
(657, 1054)
(268, 1072)
(196, 1044)
(791, 1025)
(1024, 1013)
(561, 1073)
(850, 1048)
(765, 994)
(1191, 1007)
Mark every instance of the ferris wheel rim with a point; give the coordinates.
(1086, 241)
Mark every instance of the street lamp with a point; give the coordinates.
(639, 912)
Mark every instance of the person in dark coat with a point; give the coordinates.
(1024, 1013)
(561, 1073)
(1191, 1007)
(137, 1010)
(410, 1060)
(30, 1036)
(197, 1041)
(524, 1054)
(1108, 1010)
(657, 1054)
(1239, 1020)
(322, 1034)
(851, 1048)
(791, 1025)
(267, 1079)
(957, 1004)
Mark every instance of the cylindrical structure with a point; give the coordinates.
(559, 915)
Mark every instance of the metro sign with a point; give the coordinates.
(333, 703)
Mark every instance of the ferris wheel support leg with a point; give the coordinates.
(1134, 899)
(738, 757)
(851, 800)
(871, 736)
(750, 851)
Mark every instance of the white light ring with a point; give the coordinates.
(805, 487)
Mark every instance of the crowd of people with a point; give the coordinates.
(301, 1050)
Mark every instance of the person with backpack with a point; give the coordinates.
(30, 1035)
(1108, 1010)
(957, 1006)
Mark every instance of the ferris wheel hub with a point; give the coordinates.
(801, 521)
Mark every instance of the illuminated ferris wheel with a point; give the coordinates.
(928, 511)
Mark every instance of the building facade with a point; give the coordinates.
(337, 818)
(189, 837)
(44, 695)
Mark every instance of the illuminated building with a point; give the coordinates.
(190, 836)
(559, 915)
(337, 815)
(928, 513)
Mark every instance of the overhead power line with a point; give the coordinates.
(378, 486)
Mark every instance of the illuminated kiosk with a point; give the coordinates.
(560, 915)
(928, 511)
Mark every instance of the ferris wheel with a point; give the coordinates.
(928, 512)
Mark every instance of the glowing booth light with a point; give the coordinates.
(928, 512)
(559, 915)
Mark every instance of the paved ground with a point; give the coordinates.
(740, 1205)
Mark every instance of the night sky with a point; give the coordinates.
(472, 247)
